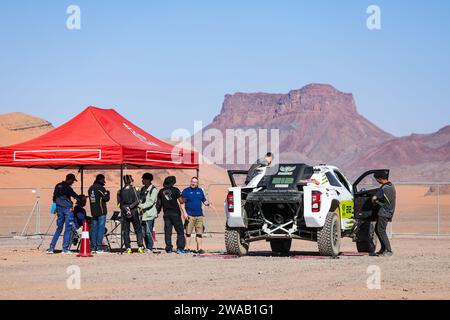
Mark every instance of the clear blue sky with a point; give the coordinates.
(164, 64)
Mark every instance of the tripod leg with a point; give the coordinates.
(46, 232)
(108, 242)
(121, 238)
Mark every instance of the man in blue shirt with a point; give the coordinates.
(193, 198)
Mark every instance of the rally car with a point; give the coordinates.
(298, 201)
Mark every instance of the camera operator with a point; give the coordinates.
(129, 201)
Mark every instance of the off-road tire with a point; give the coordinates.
(363, 246)
(234, 243)
(329, 236)
(281, 246)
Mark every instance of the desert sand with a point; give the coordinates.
(418, 270)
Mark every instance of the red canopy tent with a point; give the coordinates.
(97, 138)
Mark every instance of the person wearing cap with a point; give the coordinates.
(62, 197)
(384, 199)
(98, 197)
(148, 196)
(129, 206)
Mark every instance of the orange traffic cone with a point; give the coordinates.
(154, 234)
(85, 250)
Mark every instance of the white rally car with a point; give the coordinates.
(298, 201)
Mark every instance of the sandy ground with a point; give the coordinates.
(419, 270)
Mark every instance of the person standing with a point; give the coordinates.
(148, 195)
(193, 198)
(62, 197)
(263, 162)
(385, 200)
(98, 197)
(169, 202)
(129, 207)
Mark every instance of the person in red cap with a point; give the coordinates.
(62, 196)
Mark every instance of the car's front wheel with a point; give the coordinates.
(234, 242)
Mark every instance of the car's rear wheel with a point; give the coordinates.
(329, 236)
(282, 246)
(234, 242)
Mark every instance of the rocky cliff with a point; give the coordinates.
(317, 123)
(320, 124)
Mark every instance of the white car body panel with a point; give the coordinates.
(312, 219)
(235, 219)
(317, 219)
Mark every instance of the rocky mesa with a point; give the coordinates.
(320, 124)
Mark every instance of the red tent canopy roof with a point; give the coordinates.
(97, 138)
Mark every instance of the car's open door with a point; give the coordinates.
(233, 173)
(363, 191)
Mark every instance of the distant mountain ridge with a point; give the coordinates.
(317, 123)
(19, 121)
(419, 157)
(320, 124)
(16, 127)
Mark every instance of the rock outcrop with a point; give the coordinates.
(319, 124)
(16, 127)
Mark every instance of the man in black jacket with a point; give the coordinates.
(129, 201)
(385, 200)
(168, 200)
(98, 197)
